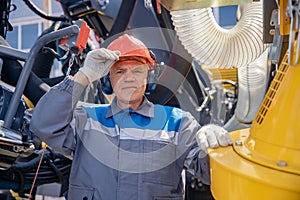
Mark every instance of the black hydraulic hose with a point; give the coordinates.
(45, 173)
(52, 53)
(180, 63)
(56, 170)
(41, 13)
(21, 181)
(42, 41)
(23, 166)
(123, 16)
(96, 23)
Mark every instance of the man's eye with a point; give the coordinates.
(119, 72)
(137, 71)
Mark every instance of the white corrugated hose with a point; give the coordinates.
(215, 46)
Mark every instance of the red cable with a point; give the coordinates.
(36, 174)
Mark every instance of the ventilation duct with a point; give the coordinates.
(253, 82)
(215, 46)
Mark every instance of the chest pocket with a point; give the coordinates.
(160, 163)
(80, 193)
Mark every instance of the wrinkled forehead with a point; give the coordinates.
(129, 64)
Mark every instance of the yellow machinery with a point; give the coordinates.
(264, 160)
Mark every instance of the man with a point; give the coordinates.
(131, 149)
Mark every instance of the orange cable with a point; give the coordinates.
(36, 174)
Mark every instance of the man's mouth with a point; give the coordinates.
(129, 87)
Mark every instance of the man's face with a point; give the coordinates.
(128, 79)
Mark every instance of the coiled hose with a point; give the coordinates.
(215, 46)
(55, 168)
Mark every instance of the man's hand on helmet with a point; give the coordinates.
(98, 62)
(212, 136)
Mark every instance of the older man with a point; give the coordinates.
(131, 149)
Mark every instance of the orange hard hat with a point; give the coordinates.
(131, 47)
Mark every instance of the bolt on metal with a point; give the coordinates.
(281, 163)
(238, 143)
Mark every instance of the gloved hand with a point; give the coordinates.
(212, 136)
(98, 62)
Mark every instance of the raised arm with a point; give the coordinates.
(52, 117)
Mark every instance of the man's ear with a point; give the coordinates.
(152, 79)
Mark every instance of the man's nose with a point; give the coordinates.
(128, 76)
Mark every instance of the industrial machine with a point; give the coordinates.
(243, 78)
(263, 162)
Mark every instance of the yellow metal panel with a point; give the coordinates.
(173, 5)
(222, 74)
(233, 177)
(275, 131)
(264, 160)
(284, 26)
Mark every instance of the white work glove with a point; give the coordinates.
(212, 136)
(98, 62)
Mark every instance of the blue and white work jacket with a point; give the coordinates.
(120, 154)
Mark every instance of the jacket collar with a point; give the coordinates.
(146, 109)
